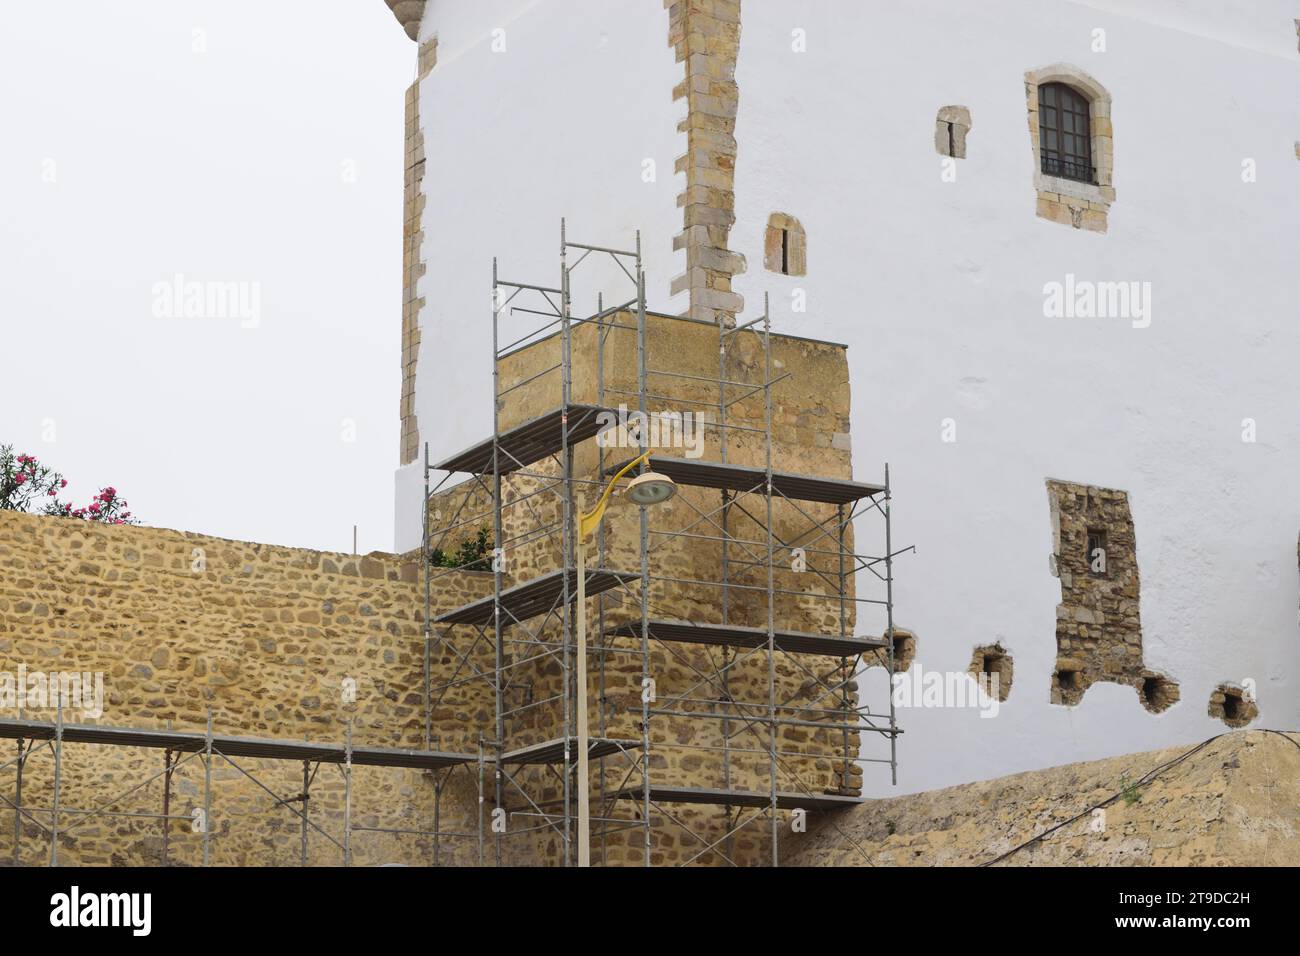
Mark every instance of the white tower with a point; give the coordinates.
(1060, 240)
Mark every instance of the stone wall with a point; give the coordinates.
(413, 267)
(1098, 622)
(810, 436)
(266, 638)
(261, 636)
(1225, 805)
(409, 13)
(706, 37)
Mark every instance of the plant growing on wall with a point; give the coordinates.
(472, 555)
(28, 485)
(1129, 790)
(105, 507)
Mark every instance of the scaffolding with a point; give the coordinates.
(210, 750)
(486, 645)
(532, 623)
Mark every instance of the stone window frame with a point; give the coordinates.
(952, 124)
(1098, 534)
(785, 246)
(1082, 205)
(1002, 662)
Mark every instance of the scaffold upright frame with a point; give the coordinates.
(527, 609)
(211, 748)
(567, 427)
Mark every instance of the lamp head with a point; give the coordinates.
(650, 488)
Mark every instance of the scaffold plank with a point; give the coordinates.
(744, 478)
(731, 635)
(534, 597)
(528, 442)
(552, 751)
(740, 798)
(261, 747)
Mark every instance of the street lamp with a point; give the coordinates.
(644, 490)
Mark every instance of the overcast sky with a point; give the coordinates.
(256, 142)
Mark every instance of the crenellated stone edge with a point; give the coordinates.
(409, 13)
(706, 37)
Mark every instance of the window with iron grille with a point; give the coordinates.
(1096, 555)
(1064, 134)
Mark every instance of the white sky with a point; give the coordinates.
(225, 165)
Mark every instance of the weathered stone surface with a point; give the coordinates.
(992, 661)
(951, 126)
(706, 36)
(1233, 705)
(413, 266)
(409, 13)
(785, 248)
(1218, 807)
(247, 638)
(1098, 622)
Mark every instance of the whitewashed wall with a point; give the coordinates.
(559, 124)
(938, 288)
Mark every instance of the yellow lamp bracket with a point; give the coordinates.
(588, 521)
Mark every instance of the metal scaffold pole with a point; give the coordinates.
(58, 785)
(347, 800)
(568, 560)
(889, 611)
(438, 781)
(428, 628)
(498, 540)
(167, 807)
(771, 578)
(846, 663)
(601, 727)
(207, 793)
(18, 803)
(724, 690)
(481, 769)
(647, 679)
(306, 802)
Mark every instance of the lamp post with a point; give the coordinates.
(644, 490)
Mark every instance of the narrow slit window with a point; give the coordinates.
(785, 249)
(951, 127)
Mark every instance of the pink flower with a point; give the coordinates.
(20, 478)
(63, 483)
(51, 492)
